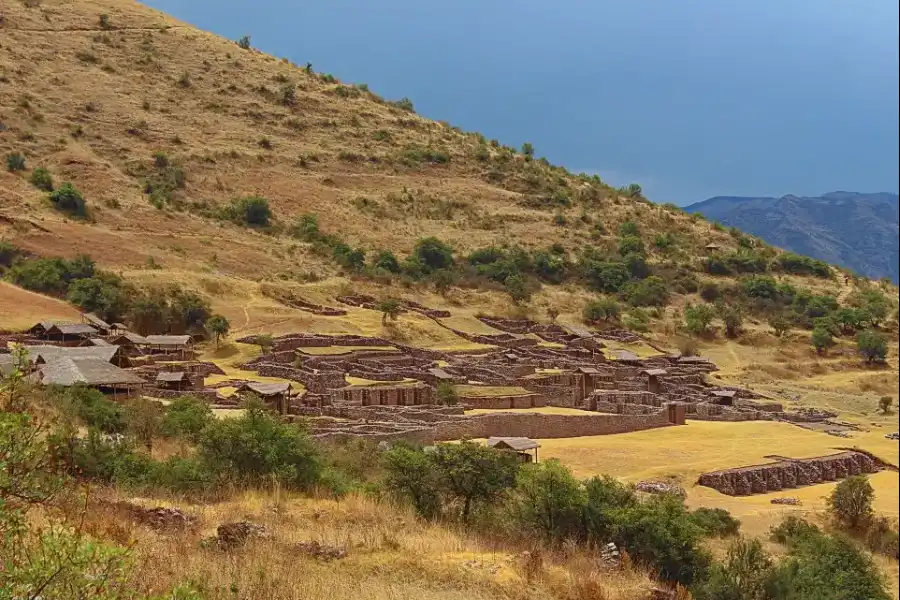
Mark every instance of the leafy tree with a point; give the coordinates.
(733, 320)
(604, 497)
(528, 149)
(885, 403)
(186, 416)
(781, 324)
(471, 473)
(851, 319)
(249, 210)
(697, 319)
(871, 345)
(149, 313)
(15, 162)
(92, 407)
(69, 200)
(350, 258)
(517, 289)
(710, 292)
(821, 339)
(265, 342)
(716, 521)
(604, 276)
(631, 244)
(104, 294)
(410, 475)
(218, 326)
(649, 292)
(244, 42)
(41, 179)
(307, 228)
(187, 310)
(636, 264)
(548, 500)
(258, 447)
(876, 304)
(433, 254)
(446, 394)
(851, 502)
(634, 190)
(602, 309)
(629, 229)
(386, 261)
(760, 286)
(143, 419)
(389, 309)
(743, 576)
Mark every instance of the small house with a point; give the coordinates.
(96, 322)
(723, 397)
(168, 344)
(40, 355)
(712, 248)
(92, 372)
(174, 380)
(519, 445)
(67, 334)
(276, 395)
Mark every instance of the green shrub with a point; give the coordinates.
(433, 254)
(386, 261)
(15, 161)
(649, 292)
(307, 228)
(710, 292)
(69, 200)
(629, 229)
(471, 474)
(548, 501)
(410, 476)
(446, 394)
(871, 345)
(186, 417)
(250, 210)
(760, 286)
(603, 309)
(105, 294)
(697, 319)
(603, 276)
(244, 42)
(850, 503)
(41, 179)
(631, 244)
(821, 339)
(743, 576)
(257, 448)
(716, 522)
(802, 265)
(93, 408)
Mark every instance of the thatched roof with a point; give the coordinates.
(174, 341)
(588, 371)
(127, 338)
(96, 321)
(99, 342)
(723, 393)
(62, 327)
(171, 377)
(90, 371)
(519, 444)
(265, 389)
(48, 354)
(440, 373)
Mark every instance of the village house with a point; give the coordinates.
(66, 334)
(92, 372)
(519, 445)
(276, 395)
(407, 394)
(130, 343)
(97, 323)
(174, 380)
(653, 382)
(45, 354)
(169, 344)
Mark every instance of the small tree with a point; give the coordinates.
(821, 339)
(389, 309)
(548, 500)
(386, 261)
(218, 326)
(104, 21)
(68, 199)
(781, 324)
(528, 149)
(885, 403)
(733, 320)
(41, 179)
(143, 419)
(15, 162)
(411, 476)
(265, 342)
(244, 42)
(697, 319)
(851, 502)
(871, 345)
(552, 314)
(446, 394)
(471, 473)
(603, 309)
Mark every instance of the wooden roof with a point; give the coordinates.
(167, 340)
(90, 371)
(588, 371)
(171, 376)
(654, 372)
(440, 373)
(519, 444)
(48, 354)
(63, 327)
(131, 338)
(96, 321)
(265, 389)
(723, 393)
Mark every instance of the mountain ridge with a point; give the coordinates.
(856, 230)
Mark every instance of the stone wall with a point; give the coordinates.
(789, 473)
(513, 401)
(627, 397)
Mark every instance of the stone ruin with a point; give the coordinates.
(791, 473)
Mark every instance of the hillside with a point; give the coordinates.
(856, 231)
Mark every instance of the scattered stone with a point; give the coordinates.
(610, 556)
(660, 487)
(787, 500)
(234, 535)
(893, 436)
(322, 552)
(840, 434)
(159, 518)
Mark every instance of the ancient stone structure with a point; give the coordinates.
(790, 473)
(386, 395)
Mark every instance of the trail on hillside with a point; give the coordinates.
(90, 29)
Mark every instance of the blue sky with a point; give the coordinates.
(690, 99)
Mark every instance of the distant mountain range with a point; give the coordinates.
(853, 230)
